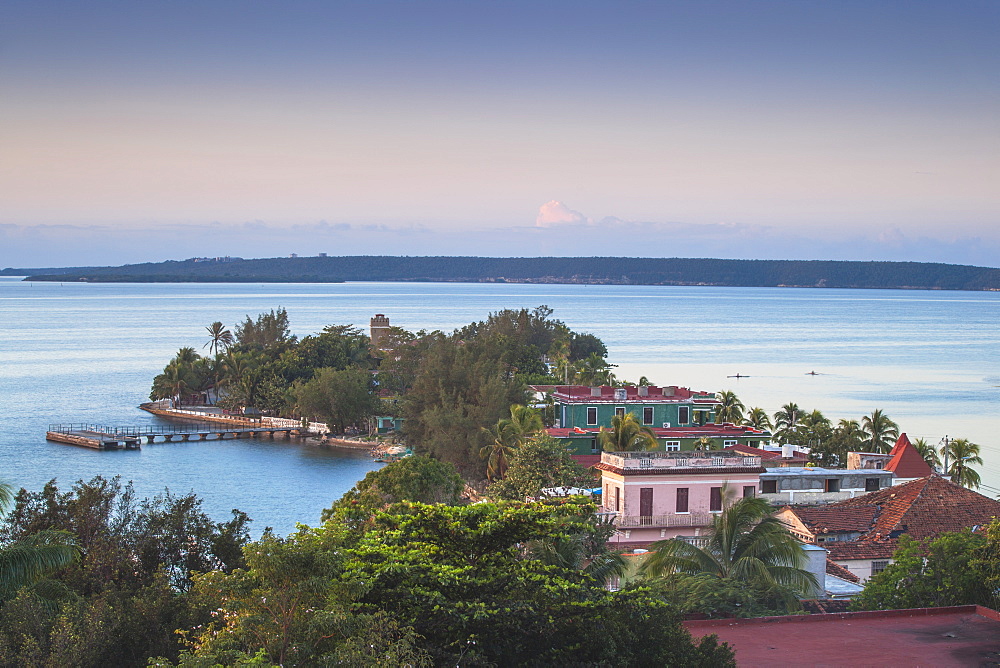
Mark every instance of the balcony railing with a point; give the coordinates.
(661, 460)
(663, 521)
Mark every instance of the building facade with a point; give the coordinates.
(661, 407)
(656, 495)
(813, 485)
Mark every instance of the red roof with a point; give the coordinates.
(838, 571)
(956, 636)
(653, 394)
(721, 431)
(905, 461)
(923, 508)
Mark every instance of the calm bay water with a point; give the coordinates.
(88, 352)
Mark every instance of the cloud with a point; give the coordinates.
(557, 213)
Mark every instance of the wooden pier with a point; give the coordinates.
(103, 437)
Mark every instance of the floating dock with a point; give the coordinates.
(103, 437)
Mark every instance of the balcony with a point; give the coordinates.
(663, 521)
(678, 460)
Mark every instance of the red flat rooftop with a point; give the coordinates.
(967, 635)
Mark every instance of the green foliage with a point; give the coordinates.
(540, 463)
(948, 570)
(745, 545)
(458, 576)
(758, 419)
(730, 408)
(269, 330)
(124, 599)
(721, 598)
(415, 478)
(340, 398)
(626, 435)
(508, 435)
(880, 432)
(962, 454)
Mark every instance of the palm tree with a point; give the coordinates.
(880, 432)
(962, 453)
(594, 370)
(745, 543)
(33, 557)
(758, 419)
(928, 453)
(176, 377)
(704, 443)
(627, 435)
(786, 420)
(220, 337)
(497, 453)
(507, 435)
(730, 407)
(815, 427)
(850, 432)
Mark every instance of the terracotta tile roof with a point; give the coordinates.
(922, 508)
(839, 571)
(827, 519)
(905, 461)
(865, 548)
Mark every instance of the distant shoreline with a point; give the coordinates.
(539, 270)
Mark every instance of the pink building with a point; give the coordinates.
(657, 495)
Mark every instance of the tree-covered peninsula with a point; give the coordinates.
(586, 270)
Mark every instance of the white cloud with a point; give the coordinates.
(557, 213)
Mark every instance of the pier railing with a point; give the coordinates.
(149, 430)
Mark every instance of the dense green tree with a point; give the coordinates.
(745, 544)
(582, 346)
(415, 478)
(933, 573)
(594, 370)
(626, 435)
(540, 463)
(460, 578)
(29, 556)
(340, 398)
(961, 455)
(880, 431)
(730, 408)
(269, 330)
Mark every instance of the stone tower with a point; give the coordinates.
(379, 330)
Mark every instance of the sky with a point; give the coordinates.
(146, 131)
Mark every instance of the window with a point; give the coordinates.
(871, 484)
(682, 499)
(673, 446)
(749, 491)
(592, 415)
(620, 411)
(683, 414)
(879, 566)
(618, 499)
(833, 484)
(715, 500)
(594, 447)
(768, 486)
(647, 415)
(646, 505)
(729, 444)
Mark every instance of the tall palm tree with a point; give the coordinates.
(627, 435)
(506, 436)
(815, 427)
(786, 420)
(497, 453)
(960, 454)
(220, 337)
(594, 370)
(850, 432)
(176, 376)
(745, 543)
(730, 408)
(33, 557)
(880, 432)
(928, 452)
(757, 418)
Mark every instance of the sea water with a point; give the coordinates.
(87, 352)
